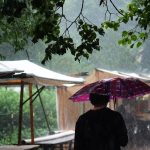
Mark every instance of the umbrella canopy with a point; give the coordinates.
(116, 88)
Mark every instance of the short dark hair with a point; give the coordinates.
(99, 99)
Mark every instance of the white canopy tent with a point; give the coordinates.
(32, 73)
(24, 72)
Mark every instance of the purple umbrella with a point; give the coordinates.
(116, 88)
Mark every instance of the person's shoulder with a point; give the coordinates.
(84, 115)
(113, 112)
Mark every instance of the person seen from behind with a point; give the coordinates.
(100, 128)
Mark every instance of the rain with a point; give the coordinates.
(136, 115)
(112, 59)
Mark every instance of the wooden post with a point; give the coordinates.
(20, 114)
(83, 107)
(31, 114)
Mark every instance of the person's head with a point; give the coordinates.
(99, 99)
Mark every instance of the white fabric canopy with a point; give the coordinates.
(36, 74)
(126, 74)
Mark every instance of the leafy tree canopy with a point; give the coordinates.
(138, 12)
(41, 19)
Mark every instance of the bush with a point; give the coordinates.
(9, 107)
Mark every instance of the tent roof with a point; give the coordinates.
(24, 70)
(143, 77)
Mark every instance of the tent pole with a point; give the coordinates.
(20, 113)
(44, 110)
(31, 114)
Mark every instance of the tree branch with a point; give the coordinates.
(80, 13)
(116, 8)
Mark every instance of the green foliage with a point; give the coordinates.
(111, 24)
(8, 114)
(9, 107)
(17, 30)
(89, 42)
(49, 101)
(42, 20)
(65, 63)
(131, 38)
(138, 12)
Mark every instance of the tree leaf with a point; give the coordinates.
(138, 44)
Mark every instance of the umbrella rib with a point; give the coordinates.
(127, 87)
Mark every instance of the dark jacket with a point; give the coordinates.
(101, 129)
